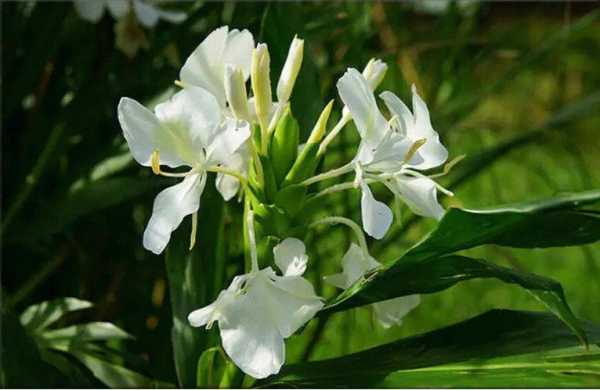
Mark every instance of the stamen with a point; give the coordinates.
(179, 83)
(194, 230)
(155, 159)
(413, 149)
(449, 165)
(359, 175)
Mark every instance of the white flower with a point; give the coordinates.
(392, 151)
(355, 264)
(188, 130)
(147, 14)
(206, 66)
(260, 309)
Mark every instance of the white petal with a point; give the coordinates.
(238, 50)
(117, 8)
(227, 140)
(144, 134)
(228, 185)
(290, 256)
(146, 14)
(433, 152)
(202, 316)
(398, 108)
(192, 117)
(420, 195)
(250, 338)
(392, 311)
(91, 11)
(172, 16)
(376, 216)
(356, 94)
(354, 265)
(204, 67)
(170, 207)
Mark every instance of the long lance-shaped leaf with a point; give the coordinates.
(194, 280)
(437, 274)
(491, 347)
(519, 225)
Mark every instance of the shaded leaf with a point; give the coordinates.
(93, 331)
(492, 335)
(41, 315)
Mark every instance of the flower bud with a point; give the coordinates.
(321, 126)
(290, 70)
(235, 90)
(374, 72)
(261, 83)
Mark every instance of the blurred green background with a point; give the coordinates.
(514, 86)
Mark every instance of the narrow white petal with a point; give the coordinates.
(290, 256)
(433, 152)
(228, 185)
(91, 11)
(398, 108)
(337, 280)
(392, 311)
(356, 94)
(145, 13)
(170, 207)
(420, 195)
(354, 266)
(376, 216)
(238, 50)
(144, 134)
(204, 67)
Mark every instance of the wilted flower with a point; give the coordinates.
(355, 265)
(188, 130)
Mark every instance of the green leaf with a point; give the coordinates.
(112, 374)
(439, 273)
(210, 368)
(563, 222)
(195, 278)
(41, 315)
(491, 347)
(284, 145)
(22, 365)
(305, 165)
(93, 331)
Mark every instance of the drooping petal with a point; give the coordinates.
(144, 134)
(238, 50)
(170, 207)
(117, 8)
(91, 11)
(398, 108)
(420, 195)
(191, 119)
(204, 67)
(376, 216)
(392, 311)
(290, 257)
(356, 94)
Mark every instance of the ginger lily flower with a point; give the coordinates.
(187, 130)
(147, 14)
(392, 152)
(260, 309)
(355, 264)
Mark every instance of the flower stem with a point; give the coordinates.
(252, 241)
(334, 132)
(226, 171)
(362, 241)
(329, 174)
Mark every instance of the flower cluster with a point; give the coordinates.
(250, 141)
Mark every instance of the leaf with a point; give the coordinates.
(112, 374)
(516, 225)
(22, 365)
(39, 316)
(195, 278)
(432, 359)
(439, 273)
(93, 331)
(210, 368)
